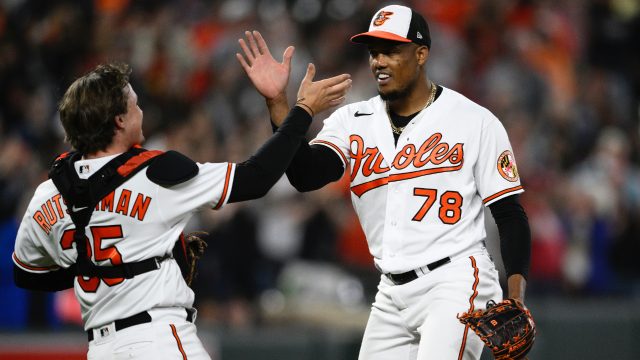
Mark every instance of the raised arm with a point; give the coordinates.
(313, 166)
(268, 76)
(254, 177)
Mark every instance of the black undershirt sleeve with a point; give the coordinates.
(254, 177)
(515, 235)
(50, 281)
(313, 167)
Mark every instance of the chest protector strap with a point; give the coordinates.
(82, 195)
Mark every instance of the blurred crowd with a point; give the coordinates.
(563, 76)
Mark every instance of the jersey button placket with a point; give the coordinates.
(394, 211)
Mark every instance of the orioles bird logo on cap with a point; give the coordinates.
(382, 17)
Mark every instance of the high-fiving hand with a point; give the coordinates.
(271, 78)
(317, 96)
(268, 76)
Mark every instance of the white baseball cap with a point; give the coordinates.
(396, 23)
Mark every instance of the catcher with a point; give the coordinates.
(106, 223)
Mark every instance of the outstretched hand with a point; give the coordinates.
(268, 76)
(316, 96)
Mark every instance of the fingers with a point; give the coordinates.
(335, 80)
(262, 45)
(255, 46)
(331, 88)
(252, 50)
(286, 57)
(247, 53)
(337, 101)
(335, 91)
(321, 95)
(243, 62)
(340, 87)
(252, 43)
(338, 90)
(336, 95)
(311, 72)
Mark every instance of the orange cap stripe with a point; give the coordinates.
(381, 35)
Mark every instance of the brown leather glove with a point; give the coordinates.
(187, 251)
(507, 328)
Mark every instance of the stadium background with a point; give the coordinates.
(289, 276)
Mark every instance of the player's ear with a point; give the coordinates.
(119, 121)
(422, 54)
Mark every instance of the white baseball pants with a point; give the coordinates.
(417, 320)
(169, 337)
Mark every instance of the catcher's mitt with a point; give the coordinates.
(187, 251)
(507, 328)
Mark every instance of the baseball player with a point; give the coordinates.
(423, 161)
(134, 300)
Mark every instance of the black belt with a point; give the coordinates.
(401, 279)
(137, 319)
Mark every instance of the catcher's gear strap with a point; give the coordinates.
(172, 168)
(82, 195)
(181, 256)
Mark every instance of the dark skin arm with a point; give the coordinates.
(516, 284)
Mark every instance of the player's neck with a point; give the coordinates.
(414, 101)
(116, 147)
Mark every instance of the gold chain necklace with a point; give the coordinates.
(398, 129)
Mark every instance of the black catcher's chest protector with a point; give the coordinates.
(82, 195)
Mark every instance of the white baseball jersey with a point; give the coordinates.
(137, 221)
(422, 199)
